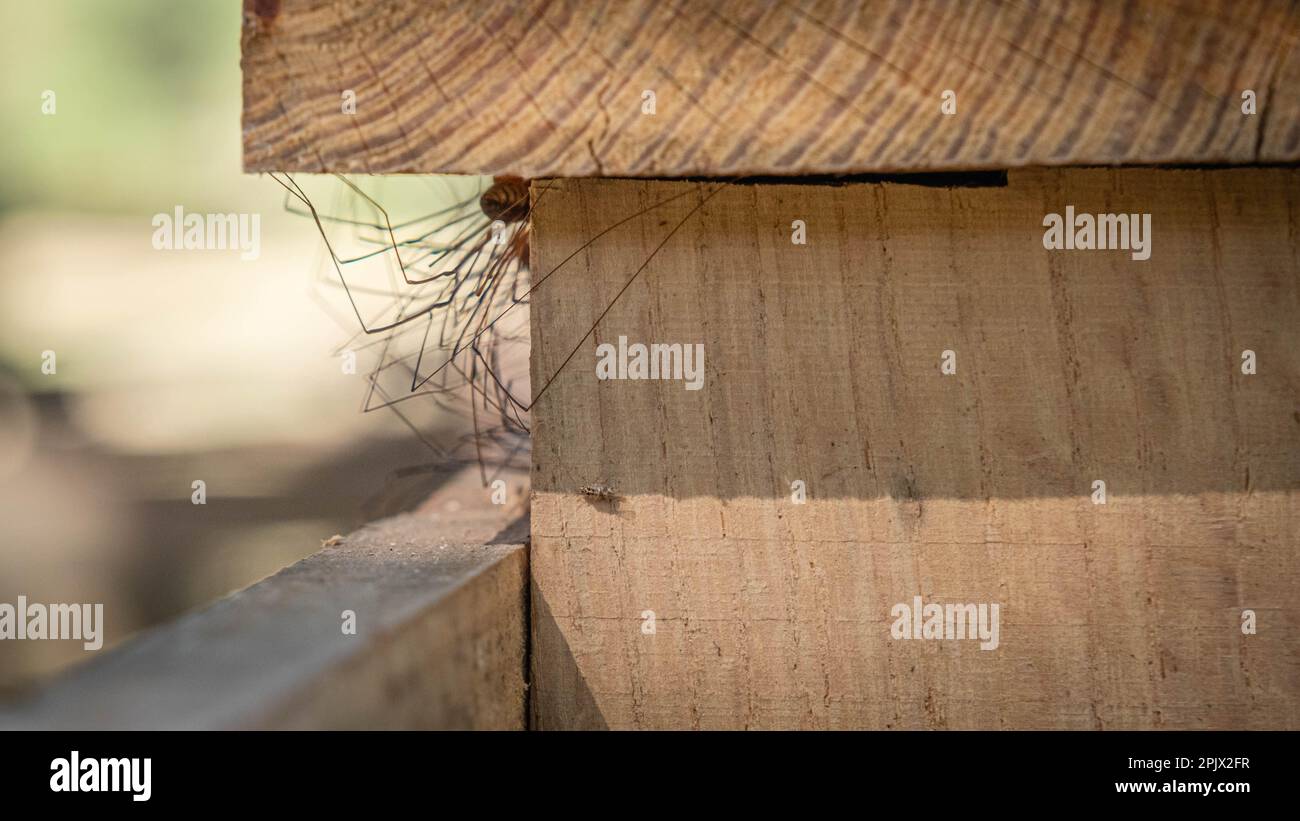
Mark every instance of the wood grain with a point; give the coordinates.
(822, 365)
(541, 88)
(440, 603)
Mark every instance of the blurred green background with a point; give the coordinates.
(148, 105)
(171, 365)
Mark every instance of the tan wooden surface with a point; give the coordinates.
(792, 87)
(822, 365)
(439, 597)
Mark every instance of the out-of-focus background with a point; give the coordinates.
(171, 366)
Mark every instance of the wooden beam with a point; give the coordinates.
(439, 597)
(800, 87)
(823, 365)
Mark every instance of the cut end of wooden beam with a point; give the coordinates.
(728, 87)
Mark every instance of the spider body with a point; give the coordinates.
(506, 200)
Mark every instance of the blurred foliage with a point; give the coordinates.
(148, 103)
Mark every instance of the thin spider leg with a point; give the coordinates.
(534, 286)
(537, 396)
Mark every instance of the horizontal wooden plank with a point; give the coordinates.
(541, 88)
(439, 597)
(707, 596)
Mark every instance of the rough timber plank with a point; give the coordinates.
(822, 365)
(555, 88)
(441, 637)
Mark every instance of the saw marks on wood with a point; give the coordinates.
(822, 365)
(797, 87)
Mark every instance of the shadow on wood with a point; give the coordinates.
(823, 365)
